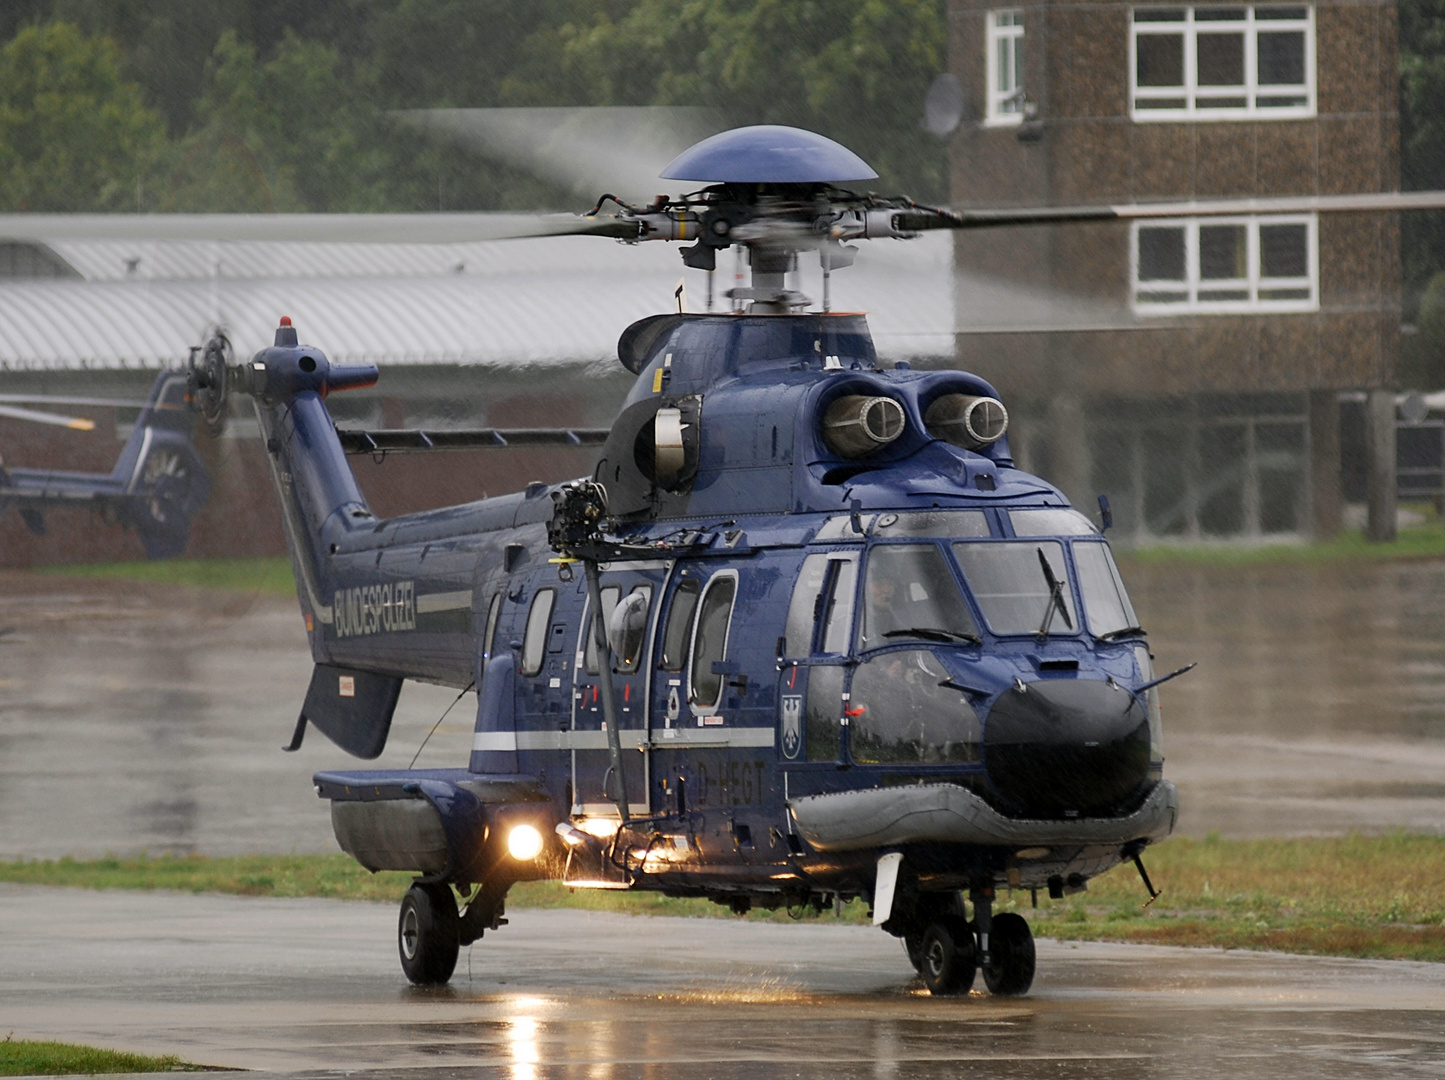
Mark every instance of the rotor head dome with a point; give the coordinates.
(768, 154)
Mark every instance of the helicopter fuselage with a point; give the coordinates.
(820, 657)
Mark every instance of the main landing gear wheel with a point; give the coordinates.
(947, 958)
(1010, 970)
(427, 934)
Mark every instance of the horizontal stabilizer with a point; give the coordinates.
(411, 441)
(351, 708)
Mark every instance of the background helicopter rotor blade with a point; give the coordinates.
(578, 150)
(53, 399)
(35, 416)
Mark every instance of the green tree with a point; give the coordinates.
(74, 135)
(856, 70)
(164, 44)
(303, 130)
(1422, 138)
(1422, 354)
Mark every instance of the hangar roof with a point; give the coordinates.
(542, 301)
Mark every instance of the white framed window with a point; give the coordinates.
(1005, 64)
(1225, 265)
(1222, 63)
(710, 641)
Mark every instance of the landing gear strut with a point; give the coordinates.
(427, 934)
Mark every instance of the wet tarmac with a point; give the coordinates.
(313, 986)
(150, 718)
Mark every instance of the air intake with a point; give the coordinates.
(855, 426)
(967, 421)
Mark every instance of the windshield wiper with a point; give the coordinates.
(1128, 631)
(1056, 598)
(931, 633)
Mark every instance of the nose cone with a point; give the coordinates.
(1066, 747)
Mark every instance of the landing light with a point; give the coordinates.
(524, 843)
(600, 827)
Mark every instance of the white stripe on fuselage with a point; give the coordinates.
(505, 741)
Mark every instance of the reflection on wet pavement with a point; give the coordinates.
(298, 987)
(141, 717)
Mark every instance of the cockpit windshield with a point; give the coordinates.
(911, 594)
(1021, 586)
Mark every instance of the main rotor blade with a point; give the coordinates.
(582, 150)
(309, 228)
(1379, 201)
(35, 416)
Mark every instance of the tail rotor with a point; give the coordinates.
(208, 378)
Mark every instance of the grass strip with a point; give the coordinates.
(1419, 542)
(1359, 896)
(266, 575)
(21, 1057)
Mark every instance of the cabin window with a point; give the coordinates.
(911, 594)
(534, 643)
(1015, 591)
(824, 713)
(1052, 521)
(679, 625)
(631, 629)
(1226, 265)
(1005, 63)
(494, 609)
(610, 595)
(1222, 63)
(900, 715)
(1106, 604)
(820, 615)
(710, 640)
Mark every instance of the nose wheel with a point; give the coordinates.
(427, 934)
(948, 952)
(947, 957)
(1009, 970)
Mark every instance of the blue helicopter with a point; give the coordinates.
(805, 634)
(157, 486)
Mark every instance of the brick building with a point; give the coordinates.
(1196, 379)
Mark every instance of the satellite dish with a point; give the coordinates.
(943, 105)
(1414, 408)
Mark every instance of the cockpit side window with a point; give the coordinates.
(902, 714)
(911, 595)
(710, 640)
(820, 615)
(1106, 604)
